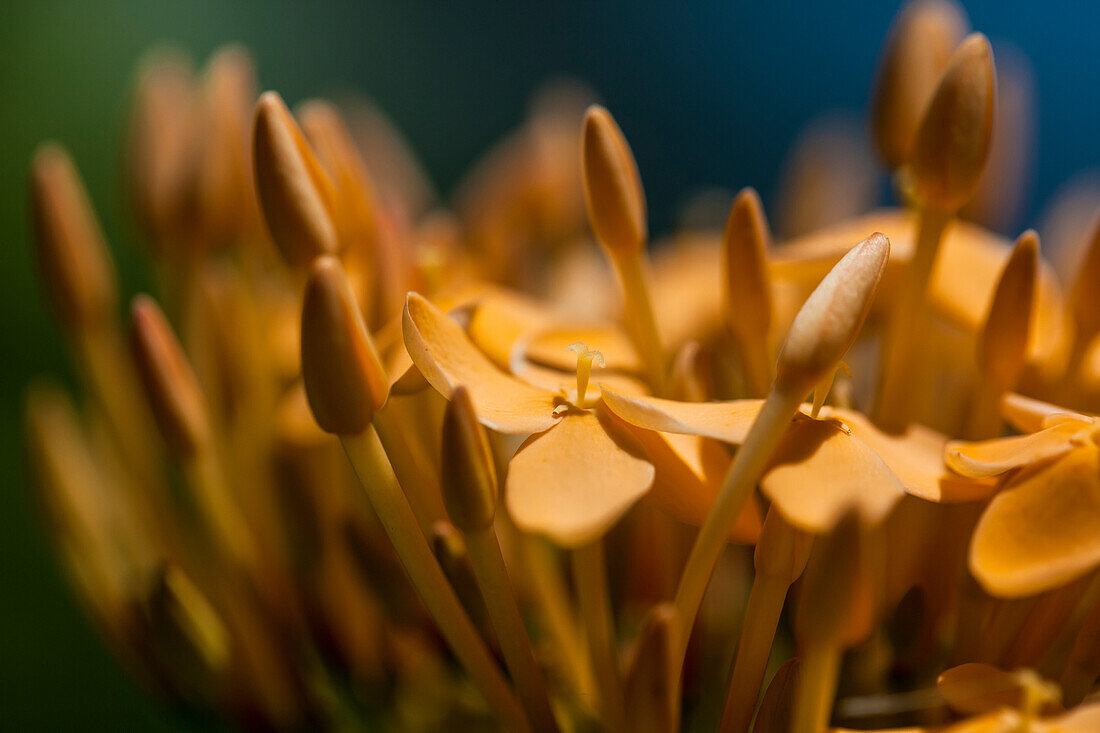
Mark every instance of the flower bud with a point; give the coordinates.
(952, 142)
(75, 266)
(1002, 347)
(918, 50)
(469, 479)
(831, 317)
(344, 378)
(170, 384)
(612, 186)
(745, 243)
(296, 195)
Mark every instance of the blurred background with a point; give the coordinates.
(711, 96)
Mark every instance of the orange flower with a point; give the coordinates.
(1043, 529)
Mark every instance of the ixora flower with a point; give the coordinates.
(377, 458)
(1041, 530)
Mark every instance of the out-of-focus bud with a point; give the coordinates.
(836, 604)
(1002, 348)
(953, 139)
(469, 479)
(296, 195)
(831, 317)
(745, 244)
(344, 378)
(652, 684)
(612, 186)
(75, 267)
(774, 713)
(160, 143)
(170, 384)
(1085, 296)
(916, 54)
(782, 550)
(220, 186)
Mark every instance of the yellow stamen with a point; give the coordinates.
(586, 359)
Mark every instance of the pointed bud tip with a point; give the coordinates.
(469, 480)
(612, 186)
(344, 378)
(74, 264)
(745, 241)
(296, 195)
(917, 52)
(831, 317)
(952, 142)
(1002, 348)
(173, 391)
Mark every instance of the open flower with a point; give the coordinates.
(826, 464)
(1043, 529)
(582, 468)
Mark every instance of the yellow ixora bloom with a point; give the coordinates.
(580, 470)
(1043, 528)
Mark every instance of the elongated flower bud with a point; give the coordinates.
(652, 681)
(745, 243)
(160, 140)
(952, 142)
(782, 550)
(469, 479)
(916, 54)
(76, 269)
(1002, 349)
(612, 186)
(831, 317)
(220, 186)
(296, 195)
(1085, 296)
(836, 601)
(344, 378)
(170, 384)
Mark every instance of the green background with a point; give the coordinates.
(707, 96)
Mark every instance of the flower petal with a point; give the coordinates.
(725, 421)
(690, 472)
(573, 482)
(821, 471)
(994, 457)
(447, 358)
(500, 319)
(916, 457)
(1042, 531)
(980, 688)
(1029, 415)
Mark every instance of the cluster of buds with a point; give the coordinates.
(358, 466)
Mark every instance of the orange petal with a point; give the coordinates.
(573, 482)
(447, 358)
(1042, 531)
(1030, 415)
(725, 421)
(979, 688)
(821, 471)
(916, 457)
(994, 457)
(1082, 719)
(690, 471)
(500, 319)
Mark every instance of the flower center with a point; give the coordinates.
(586, 359)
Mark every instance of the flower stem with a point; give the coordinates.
(392, 507)
(757, 634)
(590, 577)
(819, 666)
(897, 364)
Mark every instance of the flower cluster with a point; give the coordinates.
(369, 461)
